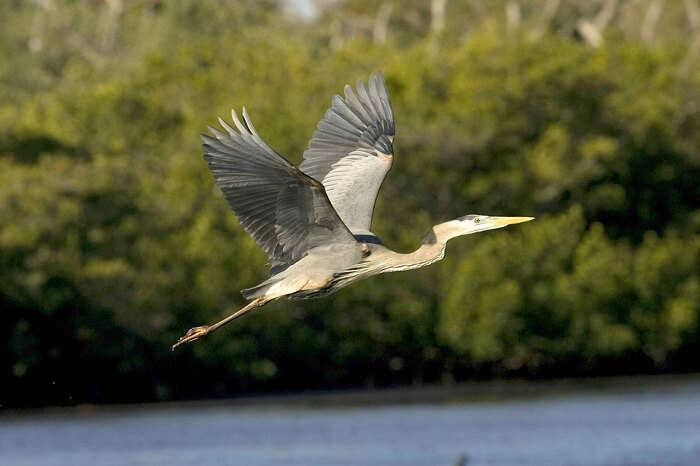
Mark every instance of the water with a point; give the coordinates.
(658, 425)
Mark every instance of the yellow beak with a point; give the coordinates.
(503, 221)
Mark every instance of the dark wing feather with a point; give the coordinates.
(284, 210)
(352, 149)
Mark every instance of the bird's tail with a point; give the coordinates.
(260, 290)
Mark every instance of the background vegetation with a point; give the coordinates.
(114, 240)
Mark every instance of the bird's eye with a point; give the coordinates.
(477, 220)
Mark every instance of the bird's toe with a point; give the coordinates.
(192, 334)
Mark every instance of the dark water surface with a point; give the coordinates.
(640, 423)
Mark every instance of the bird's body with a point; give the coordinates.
(349, 268)
(314, 222)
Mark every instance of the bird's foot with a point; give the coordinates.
(192, 334)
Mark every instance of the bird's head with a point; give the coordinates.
(473, 224)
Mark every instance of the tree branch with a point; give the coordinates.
(381, 23)
(548, 12)
(651, 19)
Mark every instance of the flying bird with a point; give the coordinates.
(314, 222)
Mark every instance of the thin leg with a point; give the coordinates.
(196, 333)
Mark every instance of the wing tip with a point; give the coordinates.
(236, 121)
(377, 76)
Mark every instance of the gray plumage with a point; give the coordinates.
(314, 222)
(352, 149)
(285, 211)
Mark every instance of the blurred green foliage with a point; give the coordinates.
(114, 240)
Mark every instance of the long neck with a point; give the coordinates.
(432, 250)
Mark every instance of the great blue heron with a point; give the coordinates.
(314, 221)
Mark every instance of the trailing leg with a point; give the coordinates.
(196, 333)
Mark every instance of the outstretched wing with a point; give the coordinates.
(284, 210)
(352, 149)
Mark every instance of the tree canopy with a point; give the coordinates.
(114, 240)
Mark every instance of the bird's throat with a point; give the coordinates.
(426, 254)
